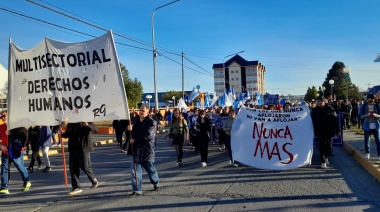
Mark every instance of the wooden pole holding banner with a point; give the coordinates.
(133, 152)
(8, 110)
(60, 140)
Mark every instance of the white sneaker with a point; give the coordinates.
(379, 157)
(323, 166)
(367, 155)
(231, 162)
(327, 161)
(204, 164)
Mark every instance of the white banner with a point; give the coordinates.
(72, 82)
(275, 140)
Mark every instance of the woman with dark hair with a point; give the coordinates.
(204, 126)
(180, 132)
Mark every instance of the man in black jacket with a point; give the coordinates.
(325, 123)
(80, 145)
(141, 147)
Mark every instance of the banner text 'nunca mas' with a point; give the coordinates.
(58, 82)
(273, 139)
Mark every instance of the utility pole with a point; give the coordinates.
(183, 79)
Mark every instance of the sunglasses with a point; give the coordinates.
(2, 116)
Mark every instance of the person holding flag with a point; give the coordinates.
(142, 149)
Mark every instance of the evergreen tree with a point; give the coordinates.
(311, 94)
(339, 89)
(133, 88)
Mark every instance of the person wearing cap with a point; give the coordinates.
(369, 113)
(287, 105)
(325, 124)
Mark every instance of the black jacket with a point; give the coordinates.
(204, 129)
(80, 137)
(325, 122)
(144, 134)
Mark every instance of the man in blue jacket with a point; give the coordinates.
(369, 113)
(141, 147)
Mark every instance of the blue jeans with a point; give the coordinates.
(367, 135)
(19, 163)
(149, 168)
(53, 137)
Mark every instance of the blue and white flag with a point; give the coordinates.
(246, 95)
(194, 94)
(207, 101)
(225, 101)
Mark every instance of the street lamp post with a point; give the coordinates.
(148, 97)
(347, 71)
(331, 82)
(323, 91)
(173, 100)
(228, 56)
(155, 55)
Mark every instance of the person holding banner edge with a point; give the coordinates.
(80, 145)
(326, 126)
(142, 145)
(227, 126)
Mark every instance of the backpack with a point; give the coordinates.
(17, 141)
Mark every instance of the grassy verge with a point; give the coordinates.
(356, 130)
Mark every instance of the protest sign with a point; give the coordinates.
(271, 99)
(273, 139)
(57, 82)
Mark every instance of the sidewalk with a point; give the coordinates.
(354, 144)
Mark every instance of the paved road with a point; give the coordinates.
(344, 186)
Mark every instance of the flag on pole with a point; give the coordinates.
(225, 101)
(377, 59)
(207, 100)
(241, 97)
(233, 95)
(214, 100)
(247, 96)
(194, 94)
(181, 104)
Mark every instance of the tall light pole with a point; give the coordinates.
(331, 82)
(228, 56)
(155, 54)
(323, 91)
(148, 97)
(173, 101)
(347, 71)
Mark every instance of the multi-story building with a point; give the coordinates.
(3, 87)
(239, 74)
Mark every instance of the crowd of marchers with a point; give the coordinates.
(196, 127)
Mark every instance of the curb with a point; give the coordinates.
(59, 150)
(371, 165)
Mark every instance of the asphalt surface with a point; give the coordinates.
(346, 185)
